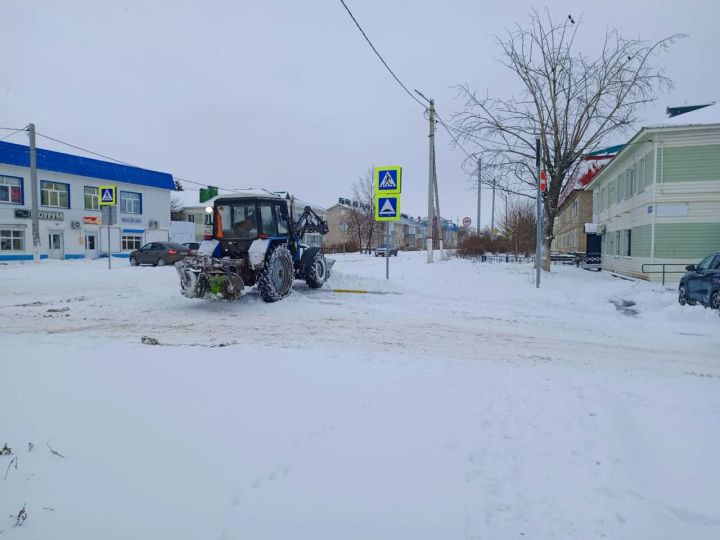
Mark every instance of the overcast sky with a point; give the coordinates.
(286, 94)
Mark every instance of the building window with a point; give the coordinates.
(12, 240)
(11, 189)
(131, 242)
(92, 201)
(130, 203)
(627, 243)
(54, 194)
(575, 208)
(207, 219)
(191, 218)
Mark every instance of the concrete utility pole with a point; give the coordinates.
(492, 218)
(441, 230)
(34, 194)
(538, 215)
(479, 196)
(431, 163)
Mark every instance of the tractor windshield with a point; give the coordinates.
(237, 220)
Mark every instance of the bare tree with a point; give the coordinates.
(362, 213)
(517, 224)
(176, 208)
(570, 101)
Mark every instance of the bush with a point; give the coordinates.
(347, 247)
(471, 247)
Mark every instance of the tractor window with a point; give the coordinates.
(244, 221)
(281, 217)
(269, 226)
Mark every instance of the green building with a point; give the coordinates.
(658, 201)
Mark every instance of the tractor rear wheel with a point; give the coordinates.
(276, 278)
(316, 271)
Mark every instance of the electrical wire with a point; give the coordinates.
(409, 93)
(13, 133)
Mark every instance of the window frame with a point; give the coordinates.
(51, 191)
(10, 186)
(15, 235)
(96, 196)
(123, 202)
(126, 237)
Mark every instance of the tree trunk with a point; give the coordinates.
(545, 261)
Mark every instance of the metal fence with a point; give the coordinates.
(663, 269)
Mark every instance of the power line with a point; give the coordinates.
(13, 129)
(409, 93)
(13, 133)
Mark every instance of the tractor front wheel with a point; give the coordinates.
(316, 271)
(276, 278)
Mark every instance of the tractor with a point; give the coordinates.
(255, 241)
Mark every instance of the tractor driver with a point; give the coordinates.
(247, 228)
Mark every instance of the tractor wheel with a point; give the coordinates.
(276, 278)
(316, 271)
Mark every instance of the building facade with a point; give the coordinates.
(658, 201)
(569, 230)
(70, 219)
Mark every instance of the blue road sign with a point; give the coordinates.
(388, 180)
(108, 195)
(387, 208)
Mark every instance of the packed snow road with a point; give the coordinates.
(459, 403)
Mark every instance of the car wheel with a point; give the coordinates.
(133, 261)
(715, 300)
(683, 297)
(160, 262)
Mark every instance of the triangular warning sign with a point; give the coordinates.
(387, 209)
(107, 195)
(388, 182)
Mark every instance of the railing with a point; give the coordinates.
(663, 271)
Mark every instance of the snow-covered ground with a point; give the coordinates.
(456, 402)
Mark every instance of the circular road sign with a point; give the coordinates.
(467, 221)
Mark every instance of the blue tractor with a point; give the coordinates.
(256, 240)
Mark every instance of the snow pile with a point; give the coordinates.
(466, 404)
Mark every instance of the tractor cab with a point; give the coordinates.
(239, 221)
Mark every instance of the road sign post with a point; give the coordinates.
(108, 205)
(466, 221)
(388, 186)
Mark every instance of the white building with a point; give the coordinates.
(68, 203)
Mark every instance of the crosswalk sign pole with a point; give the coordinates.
(387, 250)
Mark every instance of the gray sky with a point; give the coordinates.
(286, 94)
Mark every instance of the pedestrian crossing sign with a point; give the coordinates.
(108, 195)
(387, 208)
(388, 180)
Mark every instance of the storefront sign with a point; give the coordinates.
(131, 220)
(52, 216)
(92, 220)
(22, 214)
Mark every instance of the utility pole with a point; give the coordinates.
(34, 194)
(431, 163)
(492, 218)
(538, 215)
(479, 195)
(441, 230)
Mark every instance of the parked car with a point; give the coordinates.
(159, 254)
(701, 283)
(192, 246)
(382, 251)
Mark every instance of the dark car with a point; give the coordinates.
(701, 283)
(159, 254)
(192, 246)
(382, 251)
